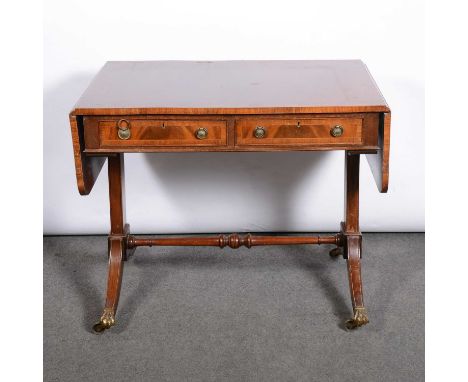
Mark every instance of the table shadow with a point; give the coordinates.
(233, 192)
(152, 271)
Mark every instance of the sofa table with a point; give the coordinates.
(236, 106)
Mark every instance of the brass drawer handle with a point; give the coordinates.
(124, 129)
(201, 133)
(336, 131)
(259, 132)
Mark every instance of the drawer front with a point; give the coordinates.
(157, 133)
(296, 132)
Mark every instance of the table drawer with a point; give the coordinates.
(124, 133)
(296, 132)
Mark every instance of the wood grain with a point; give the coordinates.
(353, 241)
(231, 87)
(351, 209)
(115, 271)
(157, 132)
(117, 240)
(353, 247)
(164, 104)
(234, 240)
(292, 132)
(314, 134)
(380, 162)
(116, 177)
(87, 168)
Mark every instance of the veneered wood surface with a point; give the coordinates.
(101, 137)
(379, 163)
(87, 168)
(231, 87)
(293, 132)
(227, 91)
(150, 132)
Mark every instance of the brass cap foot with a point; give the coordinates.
(360, 318)
(99, 328)
(107, 320)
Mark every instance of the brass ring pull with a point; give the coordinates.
(336, 131)
(201, 133)
(124, 129)
(259, 132)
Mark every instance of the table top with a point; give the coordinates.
(231, 87)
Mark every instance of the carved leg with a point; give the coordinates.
(117, 242)
(353, 240)
(114, 282)
(353, 250)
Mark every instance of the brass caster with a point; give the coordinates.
(99, 328)
(107, 320)
(335, 252)
(360, 318)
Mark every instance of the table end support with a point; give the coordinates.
(117, 242)
(352, 241)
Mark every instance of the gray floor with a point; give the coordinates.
(206, 314)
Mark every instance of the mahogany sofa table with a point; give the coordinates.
(183, 106)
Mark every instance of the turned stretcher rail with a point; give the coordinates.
(233, 240)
